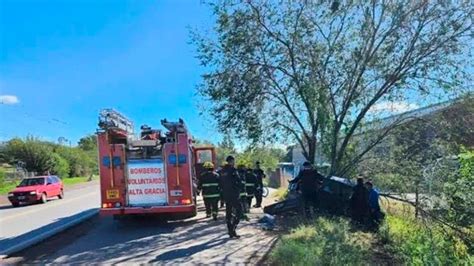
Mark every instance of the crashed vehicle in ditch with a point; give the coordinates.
(334, 198)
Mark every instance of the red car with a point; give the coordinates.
(36, 189)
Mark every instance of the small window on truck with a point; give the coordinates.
(204, 156)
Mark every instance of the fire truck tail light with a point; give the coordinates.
(185, 201)
(117, 205)
(107, 205)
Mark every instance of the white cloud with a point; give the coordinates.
(9, 99)
(392, 107)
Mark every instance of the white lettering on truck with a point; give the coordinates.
(146, 183)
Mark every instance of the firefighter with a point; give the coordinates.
(259, 189)
(209, 184)
(221, 198)
(360, 202)
(243, 193)
(309, 181)
(250, 185)
(230, 185)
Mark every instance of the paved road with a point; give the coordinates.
(143, 240)
(18, 225)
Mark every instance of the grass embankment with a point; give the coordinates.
(327, 240)
(8, 186)
(75, 180)
(400, 240)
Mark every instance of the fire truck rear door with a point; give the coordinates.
(146, 183)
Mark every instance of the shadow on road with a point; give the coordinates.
(147, 240)
(189, 251)
(101, 239)
(4, 207)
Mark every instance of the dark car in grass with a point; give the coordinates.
(36, 189)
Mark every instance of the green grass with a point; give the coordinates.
(75, 180)
(326, 241)
(400, 240)
(418, 243)
(421, 242)
(8, 186)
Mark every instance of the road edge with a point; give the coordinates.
(36, 239)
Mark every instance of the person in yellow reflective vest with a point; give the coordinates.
(209, 185)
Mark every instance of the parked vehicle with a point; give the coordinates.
(154, 173)
(36, 189)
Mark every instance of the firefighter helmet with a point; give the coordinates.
(208, 165)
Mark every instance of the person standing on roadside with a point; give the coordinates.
(230, 184)
(259, 188)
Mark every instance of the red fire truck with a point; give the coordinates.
(153, 173)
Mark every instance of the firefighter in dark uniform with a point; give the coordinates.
(259, 189)
(310, 182)
(360, 202)
(221, 199)
(243, 193)
(230, 185)
(209, 185)
(250, 185)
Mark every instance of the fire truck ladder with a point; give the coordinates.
(111, 119)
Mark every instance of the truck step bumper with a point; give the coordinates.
(148, 210)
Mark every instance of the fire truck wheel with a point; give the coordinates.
(44, 198)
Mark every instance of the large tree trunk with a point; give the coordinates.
(311, 157)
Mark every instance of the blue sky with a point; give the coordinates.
(65, 60)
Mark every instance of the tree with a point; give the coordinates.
(311, 71)
(88, 143)
(37, 156)
(458, 192)
(61, 166)
(80, 162)
(404, 160)
(202, 143)
(268, 157)
(225, 148)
